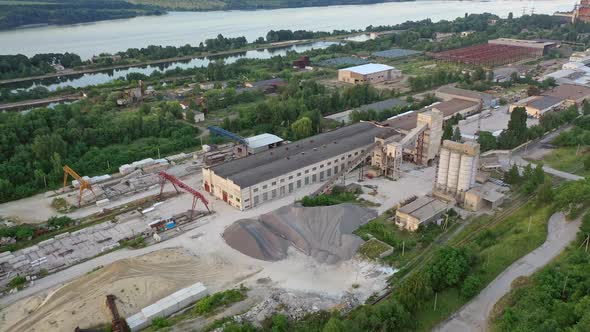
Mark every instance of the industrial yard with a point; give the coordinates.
(378, 181)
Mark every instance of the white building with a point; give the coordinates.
(369, 73)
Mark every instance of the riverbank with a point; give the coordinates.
(81, 71)
(181, 28)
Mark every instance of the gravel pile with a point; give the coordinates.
(324, 233)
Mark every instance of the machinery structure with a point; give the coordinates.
(84, 185)
(420, 145)
(165, 177)
(118, 324)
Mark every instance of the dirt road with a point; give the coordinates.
(474, 315)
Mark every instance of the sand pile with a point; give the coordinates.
(324, 233)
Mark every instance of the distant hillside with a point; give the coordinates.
(17, 13)
(250, 4)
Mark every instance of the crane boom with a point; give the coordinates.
(84, 185)
(176, 182)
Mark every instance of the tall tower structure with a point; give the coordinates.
(457, 169)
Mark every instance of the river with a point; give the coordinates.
(180, 28)
(83, 80)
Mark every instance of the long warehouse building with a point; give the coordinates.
(250, 181)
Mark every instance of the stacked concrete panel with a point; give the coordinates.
(167, 306)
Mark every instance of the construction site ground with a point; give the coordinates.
(297, 273)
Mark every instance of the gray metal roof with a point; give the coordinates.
(383, 105)
(272, 163)
(545, 102)
(261, 140)
(395, 53)
(424, 208)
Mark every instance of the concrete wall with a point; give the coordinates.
(223, 189)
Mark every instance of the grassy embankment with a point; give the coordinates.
(565, 159)
(497, 248)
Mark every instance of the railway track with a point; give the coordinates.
(418, 262)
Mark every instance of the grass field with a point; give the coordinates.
(497, 249)
(565, 159)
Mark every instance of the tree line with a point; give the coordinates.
(13, 66)
(297, 112)
(21, 13)
(89, 136)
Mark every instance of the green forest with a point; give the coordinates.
(19, 13)
(251, 4)
(88, 137)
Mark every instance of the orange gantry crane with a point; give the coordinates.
(84, 185)
(164, 177)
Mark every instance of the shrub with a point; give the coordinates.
(160, 323)
(17, 282)
(470, 287)
(211, 302)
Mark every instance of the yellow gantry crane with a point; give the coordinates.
(84, 185)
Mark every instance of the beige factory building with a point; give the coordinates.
(250, 181)
(536, 106)
(420, 212)
(457, 169)
(369, 73)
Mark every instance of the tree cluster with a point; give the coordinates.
(86, 135)
(14, 66)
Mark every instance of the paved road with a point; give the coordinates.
(474, 315)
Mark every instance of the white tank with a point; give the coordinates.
(474, 170)
(465, 173)
(443, 168)
(453, 177)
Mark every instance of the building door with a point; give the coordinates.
(225, 196)
(207, 189)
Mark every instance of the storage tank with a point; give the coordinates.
(443, 168)
(465, 173)
(453, 174)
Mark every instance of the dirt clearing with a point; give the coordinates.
(137, 282)
(325, 233)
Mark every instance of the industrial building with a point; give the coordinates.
(457, 169)
(497, 52)
(248, 146)
(262, 142)
(483, 196)
(369, 73)
(572, 94)
(377, 107)
(536, 106)
(250, 181)
(582, 12)
(421, 145)
(420, 212)
(455, 106)
(449, 92)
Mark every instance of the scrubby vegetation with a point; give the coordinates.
(213, 302)
(555, 298)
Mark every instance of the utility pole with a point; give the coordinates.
(530, 221)
(403, 248)
(158, 152)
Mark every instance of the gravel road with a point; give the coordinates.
(474, 315)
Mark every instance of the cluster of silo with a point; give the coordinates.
(457, 167)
